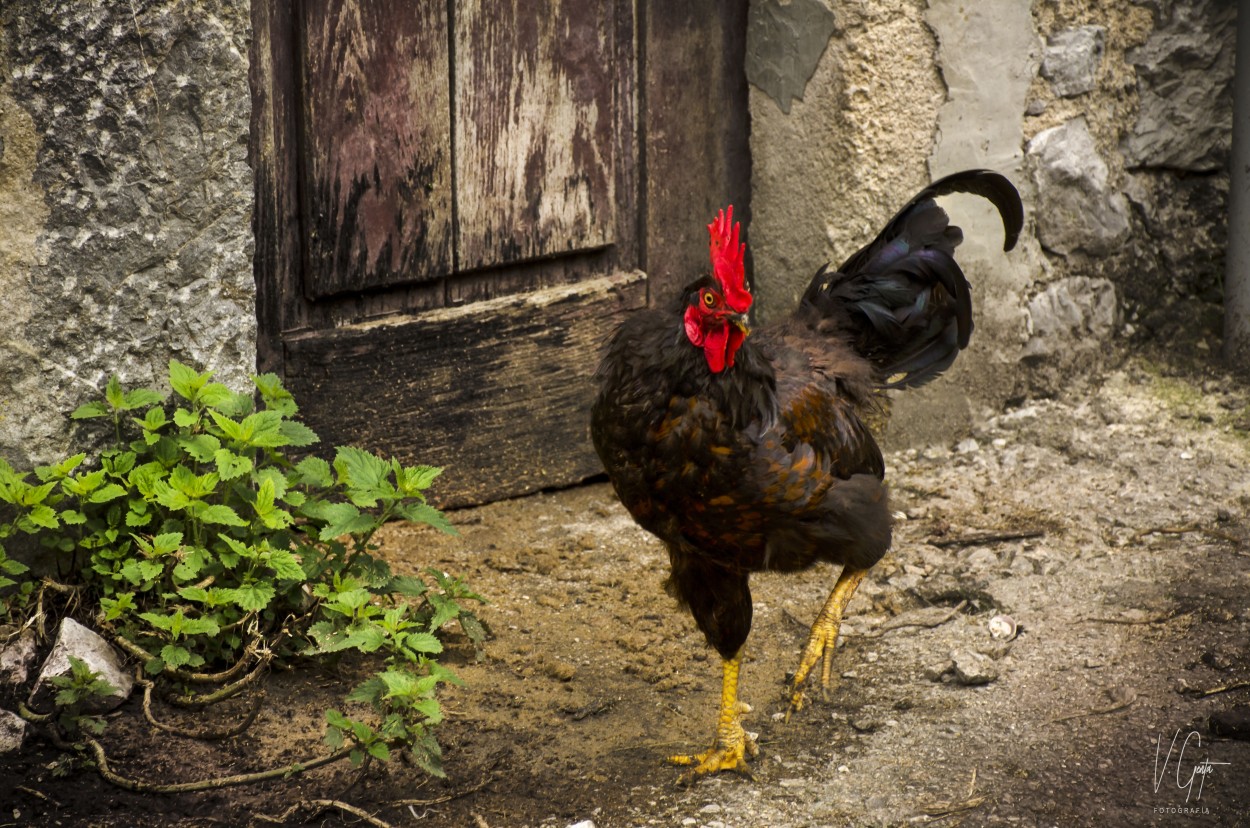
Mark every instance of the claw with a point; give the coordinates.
(733, 744)
(824, 639)
(730, 755)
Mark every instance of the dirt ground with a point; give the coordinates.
(1112, 526)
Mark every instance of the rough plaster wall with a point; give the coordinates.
(987, 53)
(849, 153)
(1117, 147)
(127, 203)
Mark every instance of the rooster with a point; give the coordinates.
(746, 450)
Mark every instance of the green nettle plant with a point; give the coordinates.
(207, 553)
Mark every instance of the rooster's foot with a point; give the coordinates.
(733, 747)
(824, 638)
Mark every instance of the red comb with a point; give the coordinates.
(727, 253)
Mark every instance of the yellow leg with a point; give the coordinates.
(824, 636)
(733, 744)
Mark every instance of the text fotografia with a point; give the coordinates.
(1187, 771)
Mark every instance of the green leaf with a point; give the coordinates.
(366, 638)
(423, 643)
(445, 609)
(344, 519)
(314, 471)
(91, 410)
(429, 708)
(264, 428)
(264, 498)
(232, 429)
(168, 497)
(61, 470)
(197, 594)
(349, 600)
(277, 519)
(174, 655)
(359, 469)
(115, 608)
(367, 693)
(297, 434)
(110, 492)
(84, 484)
(215, 395)
(419, 478)
(141, 397)
(379, 750)
(405, 683)
(185, 381)
(153, 420)
(34, 495)
(251, 597)
(423, 513)
(220, 514)
(166, 543)
(113, 394)
(44, 516)
(285, 566)
(186, 419)
(408, 586)
(138, 514)
(146, 477)
(191, 484)
(192, 564)
(231, 465)
(139, 572)
(12, 566)
(118, 464)
(202, 447)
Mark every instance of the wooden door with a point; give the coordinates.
(455, 207)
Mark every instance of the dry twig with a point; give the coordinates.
(1213, 691)
(1153, 619)
(205, 735)
(139, 786)
(1185, 530)
(1123, 703)
(399, 803)
(899, 624)
(988, 537)
(322, 804)
(941, 810)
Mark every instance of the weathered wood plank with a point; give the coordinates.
(535, 129)
(497, 392)
(696, 136)
(376, 143)
(273, 157)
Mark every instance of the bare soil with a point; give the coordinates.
(1111, 526)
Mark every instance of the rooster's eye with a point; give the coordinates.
(708, 298)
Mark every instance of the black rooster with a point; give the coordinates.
(745, 454)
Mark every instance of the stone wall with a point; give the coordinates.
(125, 203)
(1113, 118)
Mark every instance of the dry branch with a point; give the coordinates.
(322, 804)
(139, 786)
(987, 537)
